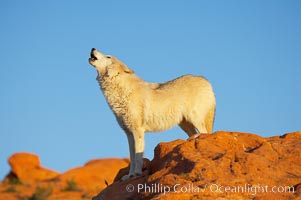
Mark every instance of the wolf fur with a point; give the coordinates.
(139, 106)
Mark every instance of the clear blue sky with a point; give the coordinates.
(51, 104)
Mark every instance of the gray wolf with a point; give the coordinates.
(140, 106)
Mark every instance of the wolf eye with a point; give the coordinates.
(108, 56)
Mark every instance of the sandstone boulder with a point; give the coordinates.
(26, 167)
(94, 175)
(225, 165)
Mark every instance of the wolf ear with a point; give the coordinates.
(121, 67)
(127, 70)
(114, 70)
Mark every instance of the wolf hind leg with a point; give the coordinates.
(201, 128)
(199, 124)
(188, 128)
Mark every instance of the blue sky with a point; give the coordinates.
(51, 104)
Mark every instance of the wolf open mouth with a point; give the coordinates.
(93, 57)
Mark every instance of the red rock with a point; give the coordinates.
(83, 182)
(94, 175)
(226, 165)
(26, 167)
(181, 169)
(8, 196)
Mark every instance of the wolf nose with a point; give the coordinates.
(93, 49)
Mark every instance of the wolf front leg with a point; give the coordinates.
(136, 147)
(139, 151)
(132, 156)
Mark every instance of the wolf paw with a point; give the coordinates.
(126, 177)
(193, 137)
(129, 176)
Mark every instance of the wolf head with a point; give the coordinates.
(107, 65)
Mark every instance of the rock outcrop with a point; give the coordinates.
(96, 174)
(225, 165)
(26, 167)
(29, 180)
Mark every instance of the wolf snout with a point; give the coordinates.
(92, 54)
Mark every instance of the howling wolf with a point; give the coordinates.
(139, 106)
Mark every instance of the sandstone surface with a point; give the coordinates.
(224, 165)
(26, 167)
(29, 180)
